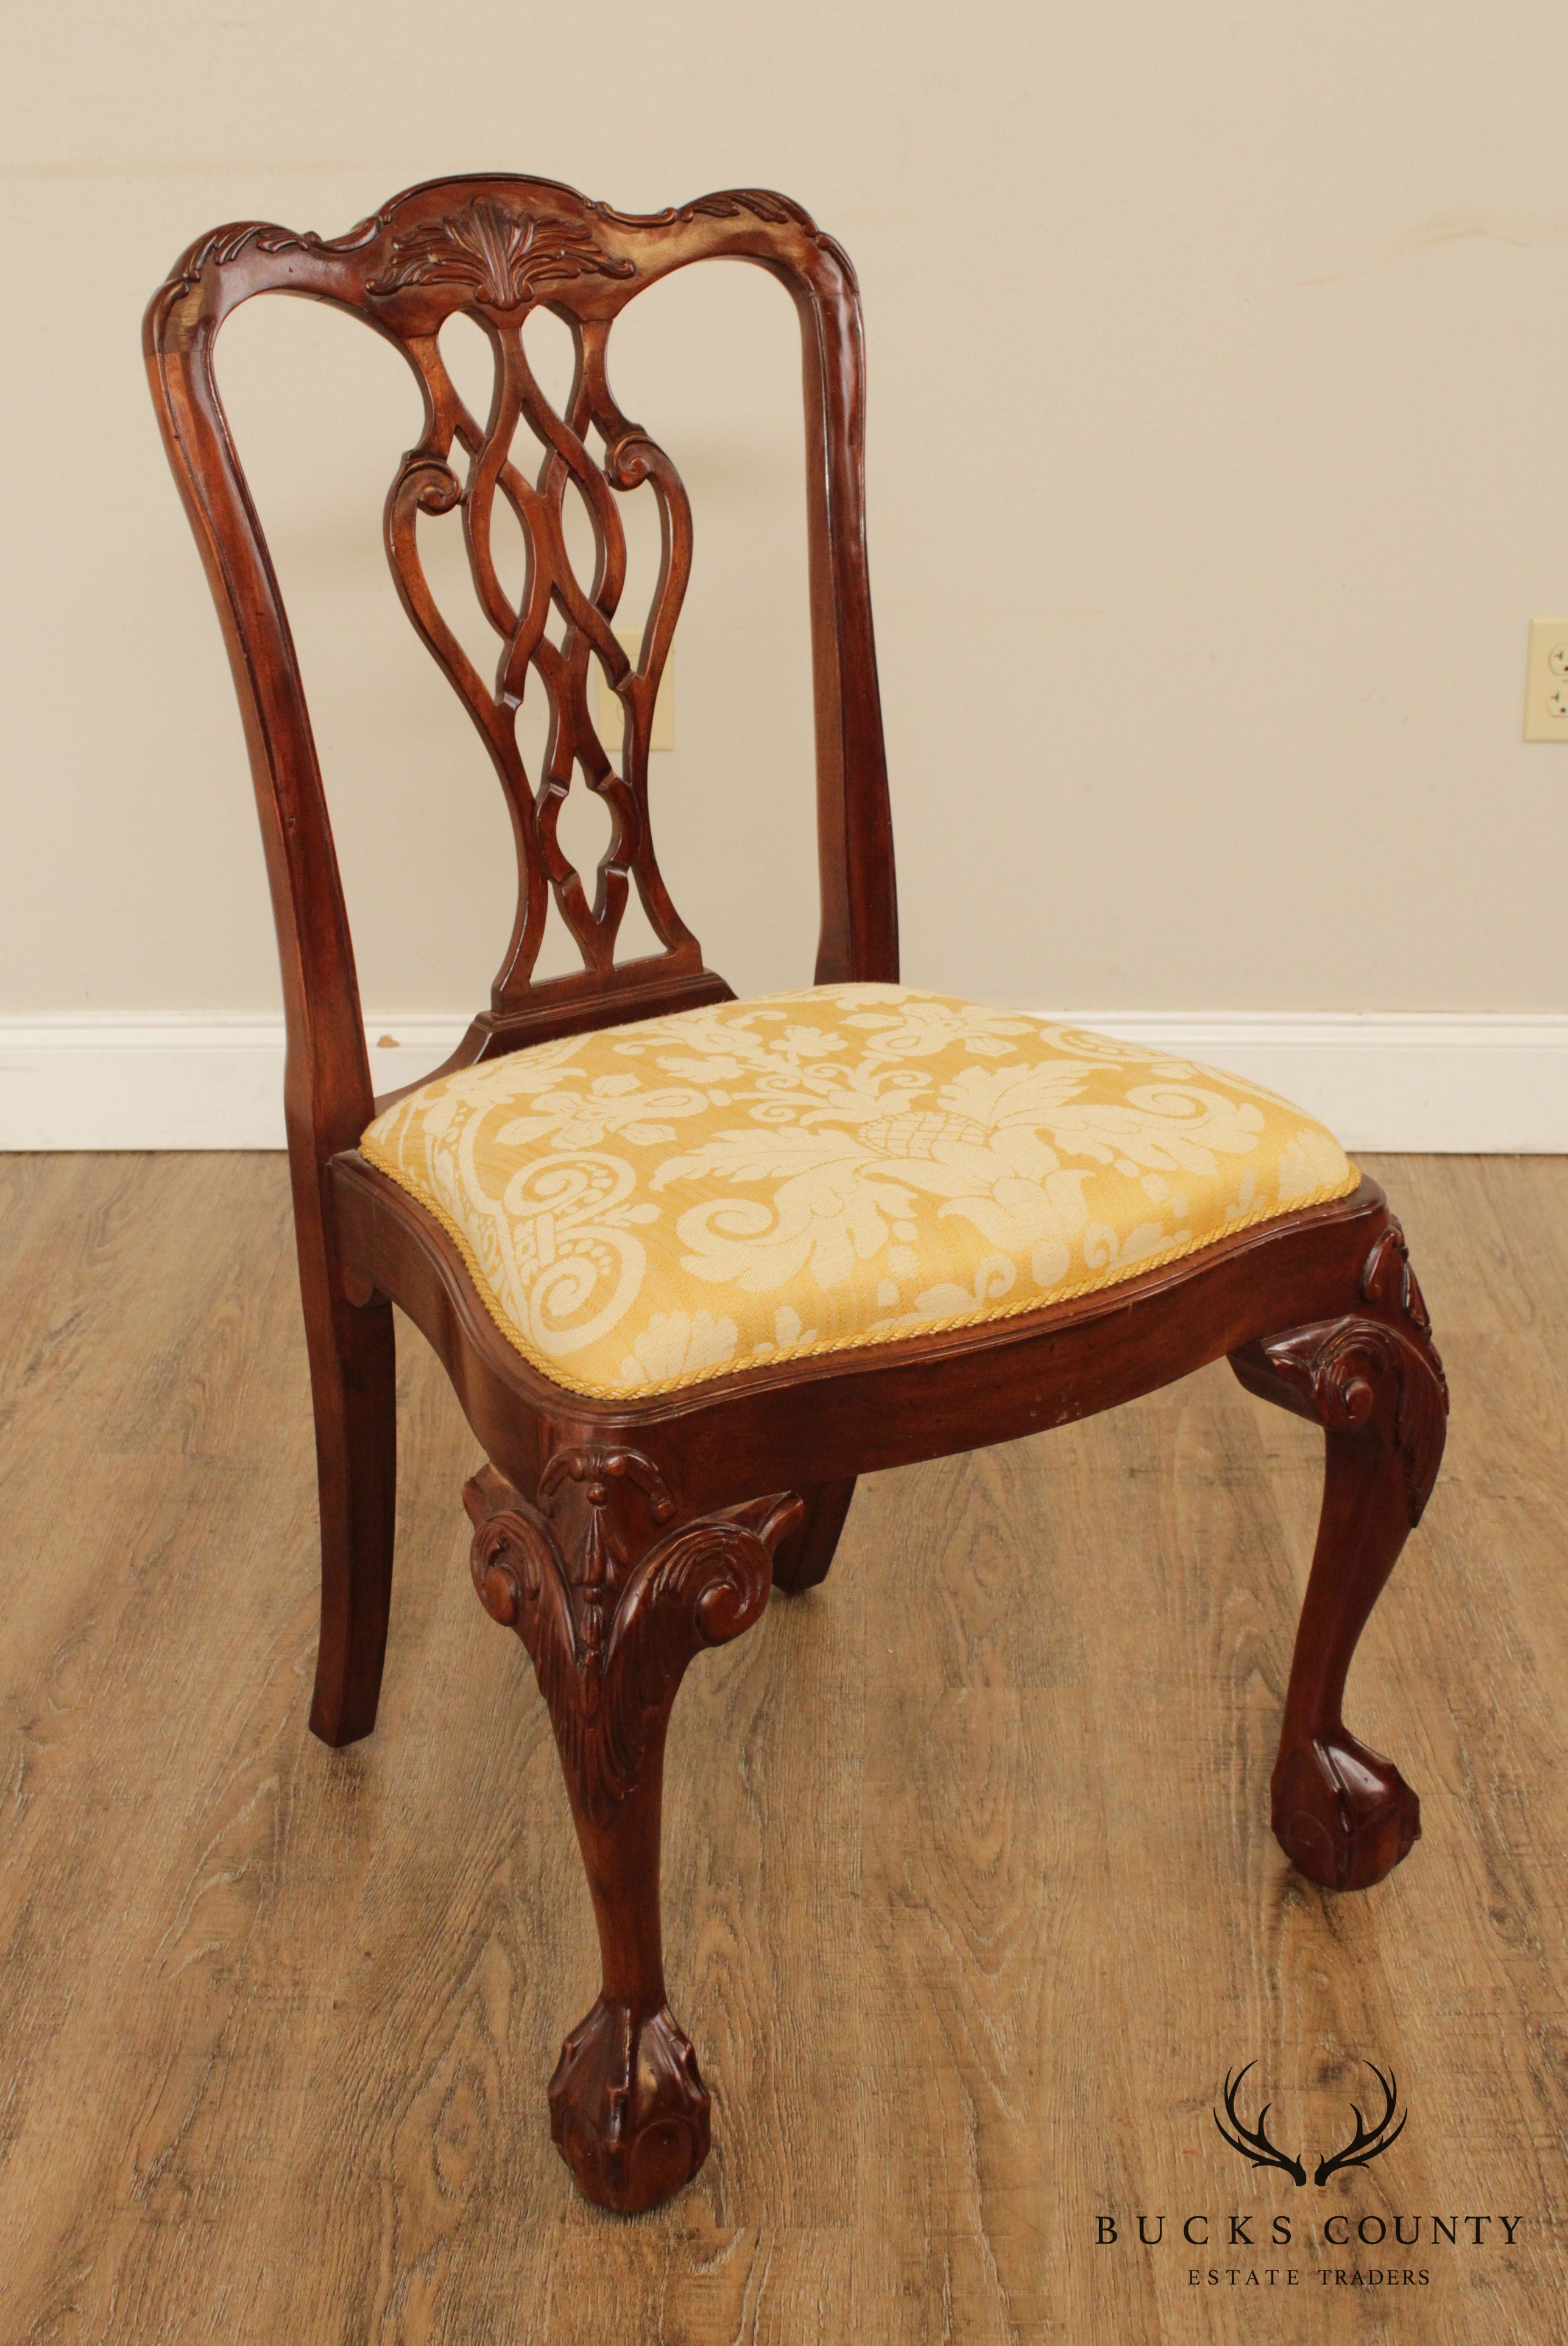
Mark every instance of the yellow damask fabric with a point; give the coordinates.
(657, 1204)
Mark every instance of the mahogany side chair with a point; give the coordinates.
(694, 1264)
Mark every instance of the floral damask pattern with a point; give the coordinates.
(654, 1205)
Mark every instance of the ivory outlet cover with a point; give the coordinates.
(662, 735)
(1546, 681)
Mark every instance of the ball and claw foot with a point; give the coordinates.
(628, 2109)
(1344, 1816)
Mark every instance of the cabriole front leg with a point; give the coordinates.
(612, 1605)
(1342, 1813)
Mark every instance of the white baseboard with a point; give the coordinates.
(162, 1082)
(1457, 1081)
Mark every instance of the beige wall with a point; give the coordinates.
(1218, 364)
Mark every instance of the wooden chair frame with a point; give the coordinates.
(617, 1539)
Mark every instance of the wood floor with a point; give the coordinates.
(972, 1901)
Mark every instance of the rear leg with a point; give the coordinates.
(803, 1559)
(354, 1390)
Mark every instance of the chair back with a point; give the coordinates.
(497, 248)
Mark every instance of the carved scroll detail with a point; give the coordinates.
(223, 246)
(726, 203)
(1364, 1374)
(1354, 1373)
(609, 1632)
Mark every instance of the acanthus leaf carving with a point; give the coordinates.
(503, 257)
(1389, 1284)
(611, 1631)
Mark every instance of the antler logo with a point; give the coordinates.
(1252, 2142)
(1367, 2142)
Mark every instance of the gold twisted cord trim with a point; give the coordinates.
(867, 1339)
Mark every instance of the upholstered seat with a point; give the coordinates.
(650, 1205)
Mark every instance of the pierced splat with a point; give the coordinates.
(429, 482)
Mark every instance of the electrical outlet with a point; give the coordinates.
(662, 736)
(1546, 682)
